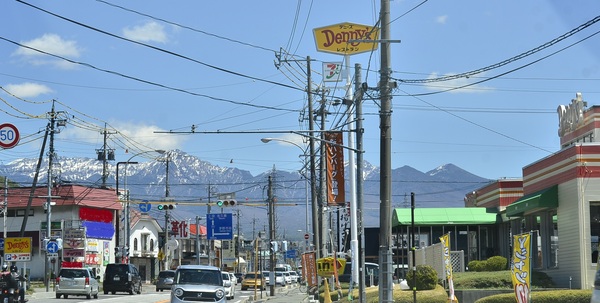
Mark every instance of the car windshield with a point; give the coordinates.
(198, 276)
(166, 274)
(253, 276)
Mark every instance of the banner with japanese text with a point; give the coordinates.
(445, 239)
(335, 168)
(521, 267)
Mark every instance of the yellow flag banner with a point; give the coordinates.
(445, 239)
(521, 267)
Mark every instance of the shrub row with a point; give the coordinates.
(495, 263)
(550, 296)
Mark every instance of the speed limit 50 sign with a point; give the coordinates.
(9, 135)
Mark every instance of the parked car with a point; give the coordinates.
(228, 284)
(596, 289)
(294, 276)
(122, 278)
(287, 277)
(165, 280)
(233, 278)
(77, 282)
(239, 276)
(194, 283)
(279, 278)
(266, 276)
(254, 280)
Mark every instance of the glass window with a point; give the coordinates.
(594, 229)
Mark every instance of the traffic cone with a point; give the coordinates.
(327, 295)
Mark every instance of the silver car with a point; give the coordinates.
(197, 283)
(165, 280)
(228, 284)
(77, 282)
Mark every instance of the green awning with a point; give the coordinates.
(443, 216)
(541, 200)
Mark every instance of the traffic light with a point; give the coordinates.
(274, 246)
(126, 251)
(166, 206)
(284, 245)
(117, 251)
(229, 202)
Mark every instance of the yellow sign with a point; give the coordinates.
(521, 267)
(161, 255)
(325, 266)
(346, 38)
(17, 245)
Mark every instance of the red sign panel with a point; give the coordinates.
(336, 194)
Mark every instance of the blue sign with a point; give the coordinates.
(290, 254)
(145, 207)
(219, 226)
(2, 244)
(52, 247)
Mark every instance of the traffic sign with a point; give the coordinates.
(52, 247)
(306, 236)
(219, 226)
(9, 135)
(2, 244)
(145, 207)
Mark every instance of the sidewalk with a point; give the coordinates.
(284, 295)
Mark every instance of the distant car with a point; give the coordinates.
(122, 277)
(596, 289)
(239, 276)
(266, 276)
(287, 277)
(77, 282)
(279, 278)
(228, 284)
(294, 276)
(165, 280)
(254, 280)
(233, 278)
(198, 283)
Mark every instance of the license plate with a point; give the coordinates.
(2, 284)
(117, 278)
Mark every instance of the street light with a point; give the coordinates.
(267, 140)
(127, 209)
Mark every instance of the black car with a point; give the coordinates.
(122, 278)
(239, 276)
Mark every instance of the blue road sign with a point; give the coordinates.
(52, 247)
(290, 254)
(145, 207)
(2, 244)
(219, 226)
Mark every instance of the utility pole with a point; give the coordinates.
(359, 229)
(237, 242)
(313, 168)
(167, 193)
(49, 194)
(271, 237)
(323, 188)
(385, 224)
(104, 155)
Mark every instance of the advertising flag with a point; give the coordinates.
(521, 267)
(448, 267)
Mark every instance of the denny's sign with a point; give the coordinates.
(346, 38)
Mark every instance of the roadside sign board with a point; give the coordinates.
(219, 226)
(17, 249)
(290, 254)
(346, 38)
(52, 247)
(325, 266)
(9, 135)
(2, 244)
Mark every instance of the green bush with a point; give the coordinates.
(551, 296)
(497, 279)
(426, 277)
(476, 265)
(496, 263)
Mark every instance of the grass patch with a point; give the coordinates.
(437, 295)
(550, 296)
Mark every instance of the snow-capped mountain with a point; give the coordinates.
(190, 180)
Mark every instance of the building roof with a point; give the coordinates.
(443, 216)
(65, 195)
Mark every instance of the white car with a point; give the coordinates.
(233, 278)
(228, 284)
(279, 278)
(288, 277)
(294, 276)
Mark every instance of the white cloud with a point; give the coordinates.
(27, 90)
(50, 43)
(441, 19)
(454, 83)
(138, 137)
(149, 32)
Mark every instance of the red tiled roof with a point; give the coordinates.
(18, 197)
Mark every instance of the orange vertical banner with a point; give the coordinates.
(336, 194)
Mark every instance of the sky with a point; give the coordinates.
(478, 82)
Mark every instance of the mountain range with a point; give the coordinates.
(190, 181)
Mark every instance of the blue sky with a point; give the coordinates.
(211, 64)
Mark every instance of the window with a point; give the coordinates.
(594, 229)
(135, 244)
(151, 244)
(18, 212)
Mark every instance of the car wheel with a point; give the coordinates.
(131, 290)
(139, 289)
(66, 296)
(244, 288)
(113, 292)
(58, 296)
(88, 296)
(96, 295)
(106, 292)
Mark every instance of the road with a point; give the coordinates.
(149, 295)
